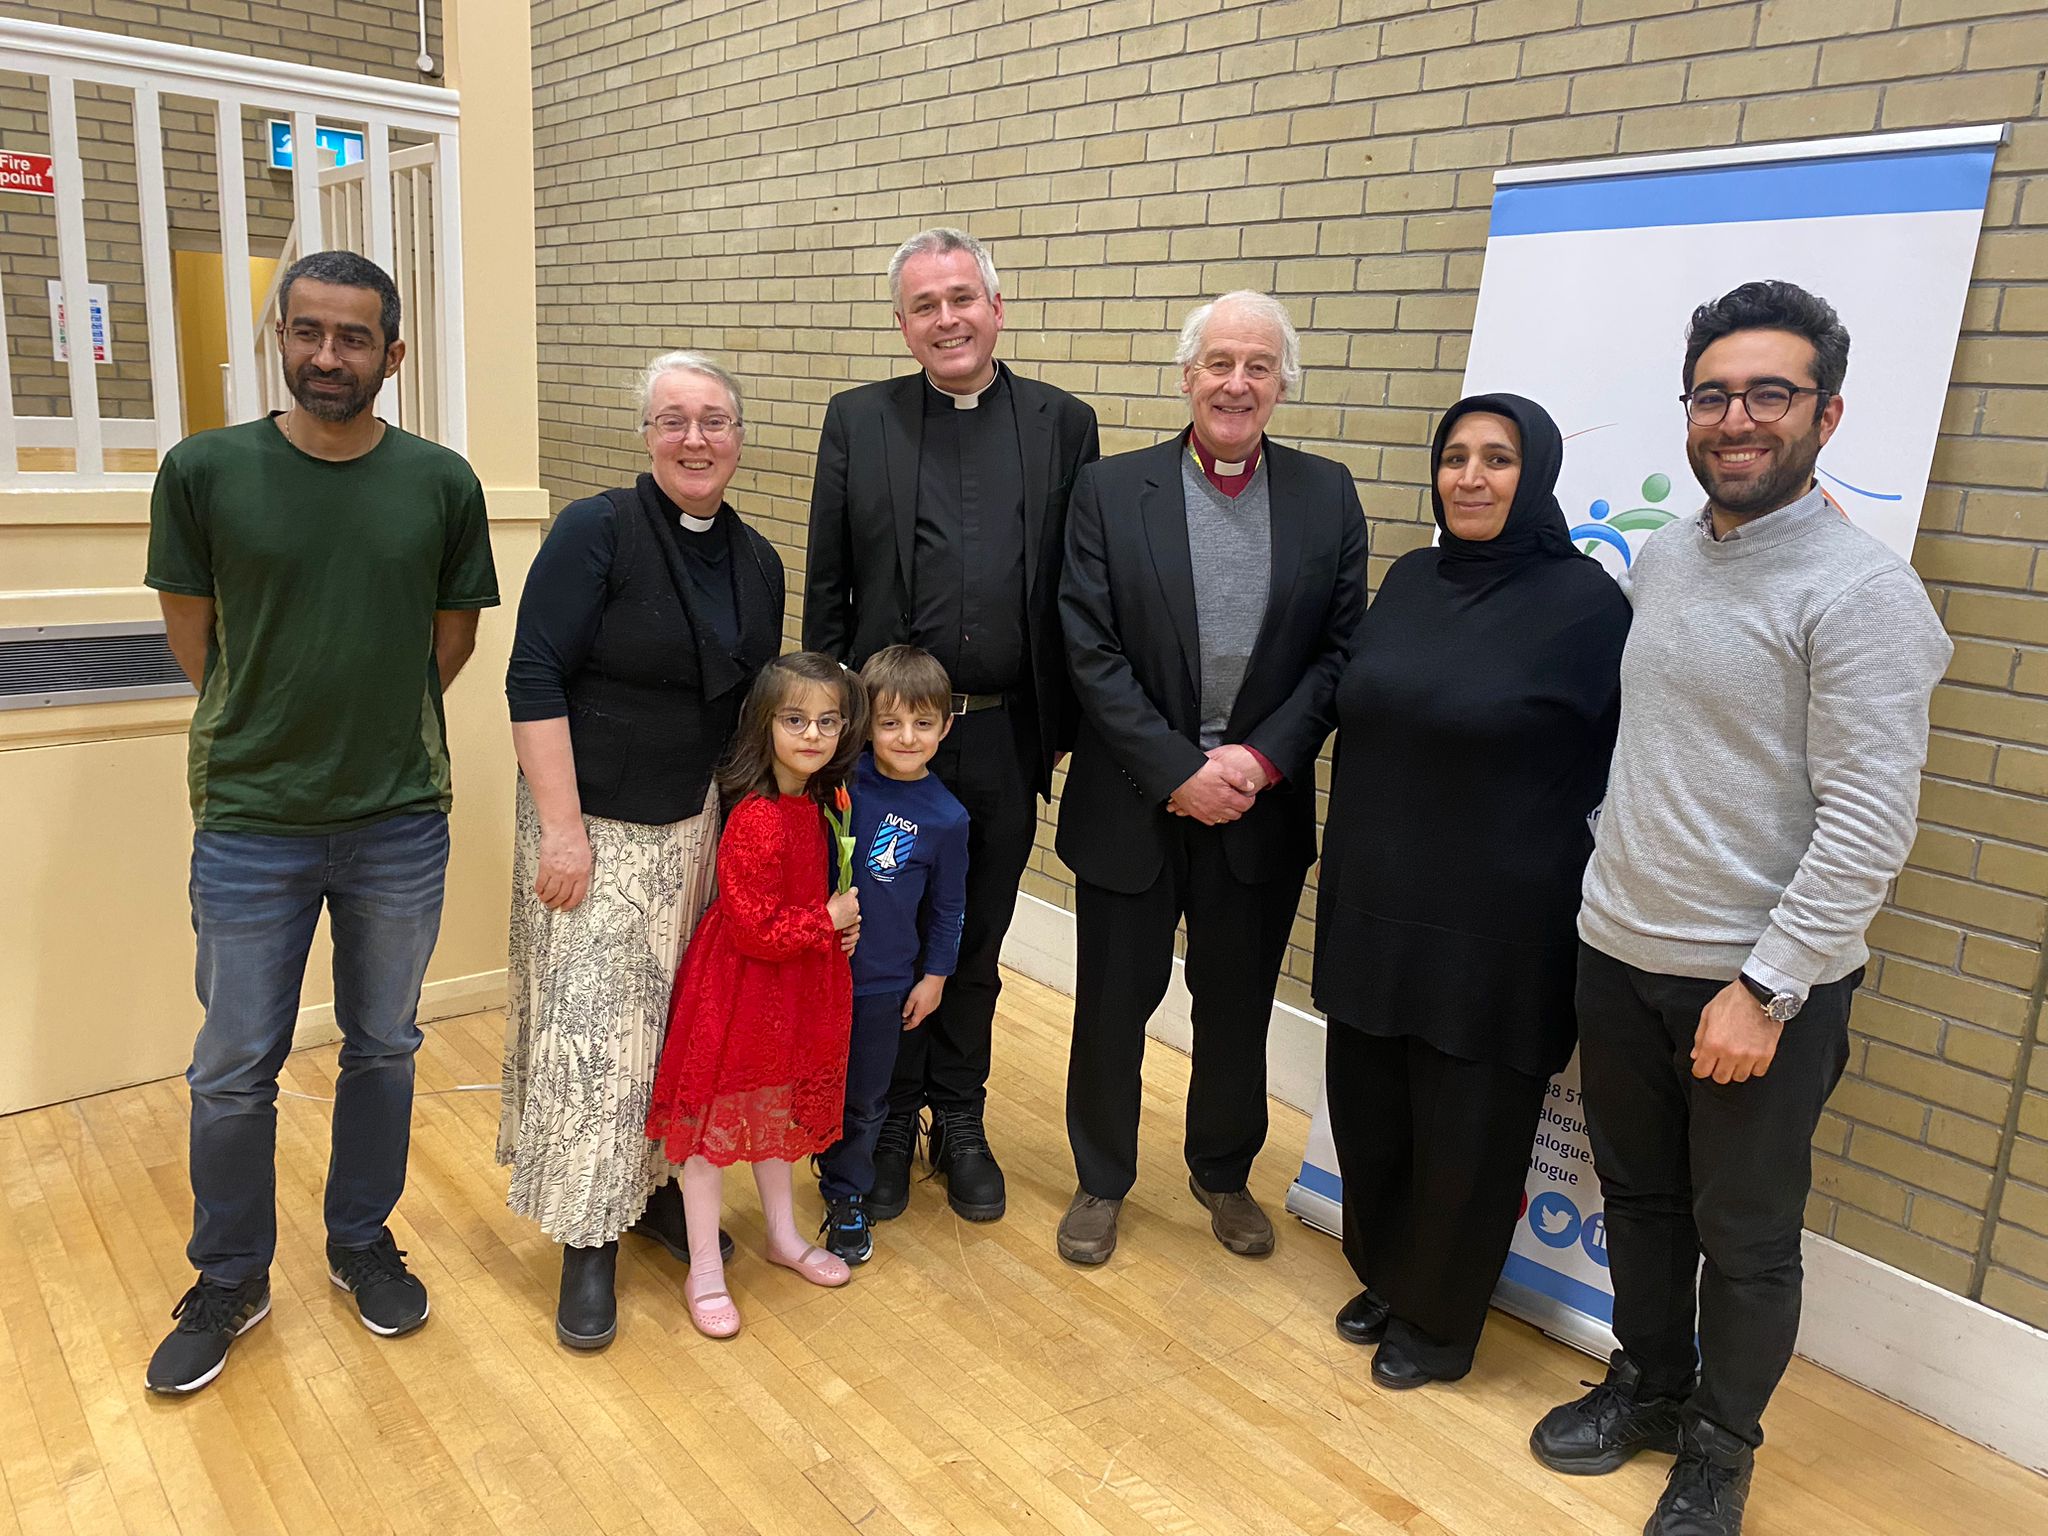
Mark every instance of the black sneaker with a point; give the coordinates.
(959, 1153)
(663, 1222)
(846, 1231)
(210, 1318)
(1708, 1486)
(1608, 1425)
(390, 1300)
(895, 1151)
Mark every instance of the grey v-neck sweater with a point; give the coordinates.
(1765, 785)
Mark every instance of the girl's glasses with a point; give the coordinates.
(794, 724)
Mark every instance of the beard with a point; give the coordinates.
(333, 408)
(1791, 474)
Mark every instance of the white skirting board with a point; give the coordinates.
(1979, 1372)
(443, 999)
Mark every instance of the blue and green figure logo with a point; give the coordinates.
(1608, 526)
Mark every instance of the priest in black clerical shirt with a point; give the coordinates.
(938, 519)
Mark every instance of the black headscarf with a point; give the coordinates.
(1535, 528)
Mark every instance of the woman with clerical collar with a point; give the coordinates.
(646, 615)
(1475, 722)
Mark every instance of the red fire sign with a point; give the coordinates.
(27, 173)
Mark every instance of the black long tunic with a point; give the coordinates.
(1474, 727)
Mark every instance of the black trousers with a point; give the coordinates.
(1690, 1168)
(847, 1167)
(1237, 937)
(1434, 1152)
(944, 1061)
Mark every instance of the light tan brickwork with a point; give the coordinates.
(733, 177)
(373, 37)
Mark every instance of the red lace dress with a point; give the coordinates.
(754, 1065)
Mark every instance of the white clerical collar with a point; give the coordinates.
(700, 524)
(973, 401)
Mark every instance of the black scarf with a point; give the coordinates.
(755, 599)
(1535, 528)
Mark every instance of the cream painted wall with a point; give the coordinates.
(95, 931)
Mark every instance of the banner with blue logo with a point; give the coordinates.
(1591, 274)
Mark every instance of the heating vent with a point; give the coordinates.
(49, 664)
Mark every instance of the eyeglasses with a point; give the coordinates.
(1222, 368)
(310, 338)
(795, 724)
(673, 429)
(1762, 403)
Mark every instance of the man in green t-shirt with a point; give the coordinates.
(321, 575)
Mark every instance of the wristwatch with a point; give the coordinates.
(1779, 1007)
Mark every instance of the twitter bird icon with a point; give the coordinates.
(1554, 1220)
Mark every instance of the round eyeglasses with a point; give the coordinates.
(1761, 403)
(795, 724)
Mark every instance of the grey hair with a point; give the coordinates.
(1266, 307)
(688, 362)
(938, 242)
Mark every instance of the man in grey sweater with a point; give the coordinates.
(1763, 795)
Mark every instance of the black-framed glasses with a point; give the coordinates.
(796, 723)
(1761, 403)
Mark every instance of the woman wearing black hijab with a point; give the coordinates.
(1474, 727)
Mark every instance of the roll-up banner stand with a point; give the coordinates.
(1592, 271)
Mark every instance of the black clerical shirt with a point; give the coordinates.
(967, 584)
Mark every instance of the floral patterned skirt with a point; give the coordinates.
(587, 1007)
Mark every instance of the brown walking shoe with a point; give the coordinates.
(1088, 1230)
(1236, 1220)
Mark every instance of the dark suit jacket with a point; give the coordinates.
(864, 520)
(1128, 603)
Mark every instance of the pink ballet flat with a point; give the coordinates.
(817, 1266)
(713, 1314)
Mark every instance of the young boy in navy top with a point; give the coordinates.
(910, 866)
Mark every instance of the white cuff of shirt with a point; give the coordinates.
(1770, 976)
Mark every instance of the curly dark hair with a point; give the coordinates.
(1774, 305)
(749, 766)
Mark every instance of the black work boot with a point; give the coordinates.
(662, 1222)
(960, 1155)
(587, 1316)
(895, 1151)
(1708, 1486)
(1608, 1425)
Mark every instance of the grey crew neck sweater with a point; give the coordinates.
(1774, 699)
(1230, 539)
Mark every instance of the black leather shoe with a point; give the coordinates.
(1607, 1426)
(960, 1155)
(895, 1151)
(1708, 1486)
(1398, 1372)
(1362, 1319)
(662, 1222)
(587, 1316)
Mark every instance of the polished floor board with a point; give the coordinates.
(967, 1381)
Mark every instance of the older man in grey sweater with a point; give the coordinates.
(1763, 795)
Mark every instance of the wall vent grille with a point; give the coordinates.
(47, 664)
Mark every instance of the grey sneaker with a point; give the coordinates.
(1236, 1219)
(1088, 1230)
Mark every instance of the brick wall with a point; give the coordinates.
(372, 37)
(733, 177)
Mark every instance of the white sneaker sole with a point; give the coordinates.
(220, 1365)
(382, 1333)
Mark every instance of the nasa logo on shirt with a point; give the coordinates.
(1554, 1220)
(891, 847)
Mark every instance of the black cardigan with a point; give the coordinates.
(607, 638)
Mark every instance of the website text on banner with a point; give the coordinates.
(1591, 274)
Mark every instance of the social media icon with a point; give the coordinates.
(1554, 1220)
(1593, 1238)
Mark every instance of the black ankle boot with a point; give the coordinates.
(1607, 1426)
(1708, 1486)
(587, 1316)
(960, 1155)
(895, 1151)
(662, 1222)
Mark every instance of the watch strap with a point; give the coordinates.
(1757, 989)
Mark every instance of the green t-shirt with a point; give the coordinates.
(321, 706)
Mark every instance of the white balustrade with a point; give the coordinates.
(400, 208)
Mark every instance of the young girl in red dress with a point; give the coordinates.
(753, 1069)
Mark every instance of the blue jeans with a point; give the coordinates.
(847, 1167)
(255, 902)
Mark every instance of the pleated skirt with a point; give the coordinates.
(587, 1007)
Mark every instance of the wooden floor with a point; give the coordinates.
(966, 1381)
